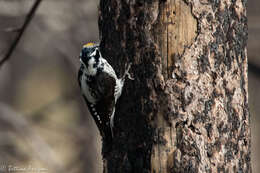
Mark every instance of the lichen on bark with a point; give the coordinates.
(187, 109)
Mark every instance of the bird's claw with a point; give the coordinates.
(127, 72)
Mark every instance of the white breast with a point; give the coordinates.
(85, 90)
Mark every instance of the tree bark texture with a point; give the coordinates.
(187, 109)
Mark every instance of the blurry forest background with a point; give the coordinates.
(44, 122)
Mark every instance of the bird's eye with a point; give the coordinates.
(84, 53)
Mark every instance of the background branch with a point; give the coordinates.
(19, 35)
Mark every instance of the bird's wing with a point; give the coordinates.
(103, 109)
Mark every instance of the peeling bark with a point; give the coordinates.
(187, 109)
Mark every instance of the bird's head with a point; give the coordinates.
(90, 57)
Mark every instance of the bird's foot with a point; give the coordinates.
(127, 72)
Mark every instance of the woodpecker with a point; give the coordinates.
(100, 87)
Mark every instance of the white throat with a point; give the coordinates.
(91, 70)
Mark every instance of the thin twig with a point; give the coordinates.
(19, 35)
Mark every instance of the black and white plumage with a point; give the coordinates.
(100, 87)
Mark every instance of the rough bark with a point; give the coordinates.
(187, 109)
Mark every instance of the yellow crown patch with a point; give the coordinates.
(88, 45)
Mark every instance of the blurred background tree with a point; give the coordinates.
(43, 119)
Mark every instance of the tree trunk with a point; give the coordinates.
(187, 109)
